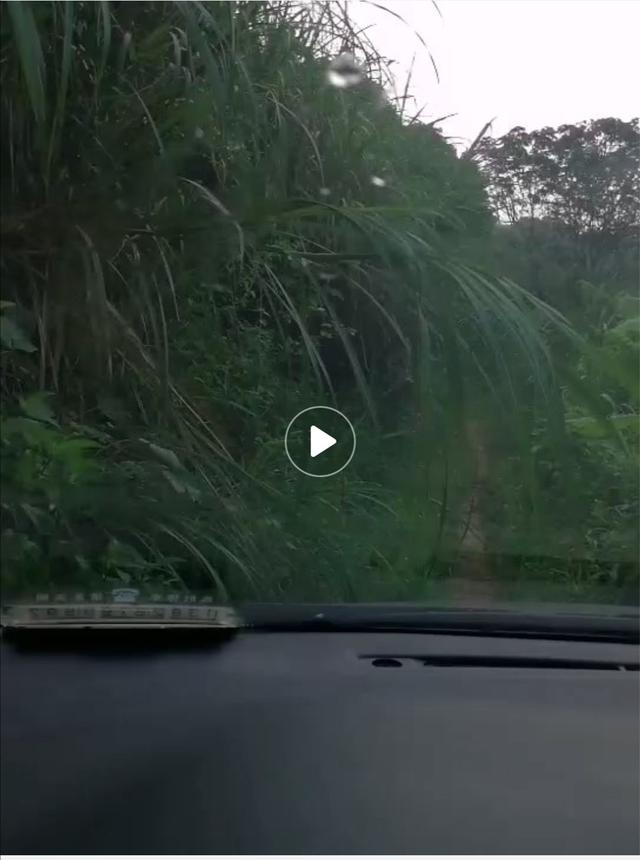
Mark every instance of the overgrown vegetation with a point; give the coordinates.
(567, 203)
(208, 226)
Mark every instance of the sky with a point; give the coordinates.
(525, 62)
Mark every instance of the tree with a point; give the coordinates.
(567, 200)
(585, 176)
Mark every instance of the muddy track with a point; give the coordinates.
(474, 584)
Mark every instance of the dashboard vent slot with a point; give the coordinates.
(497, 662)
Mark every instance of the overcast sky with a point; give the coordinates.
(526, 62)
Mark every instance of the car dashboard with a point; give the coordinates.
(319, 742)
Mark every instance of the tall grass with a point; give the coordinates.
(200, 234)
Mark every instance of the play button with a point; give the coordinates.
(320, 441)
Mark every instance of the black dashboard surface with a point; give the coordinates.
(307, 743)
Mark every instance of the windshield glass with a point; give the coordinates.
(316, 302)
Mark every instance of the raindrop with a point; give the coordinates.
(344, 71)
(378, 181)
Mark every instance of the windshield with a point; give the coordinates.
(319, 303)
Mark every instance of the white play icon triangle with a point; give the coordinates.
(319, 441)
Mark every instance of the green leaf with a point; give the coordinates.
(30, 52)
(37, 406)
(123, 555)
(12, 336)
(74, 450)
(628, 328)
(592, 428)
(32, 431)
(91, 432)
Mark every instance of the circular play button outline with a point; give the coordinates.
(315, 474)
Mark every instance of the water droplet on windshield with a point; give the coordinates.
(344, 71)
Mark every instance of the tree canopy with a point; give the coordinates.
(584, 176)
